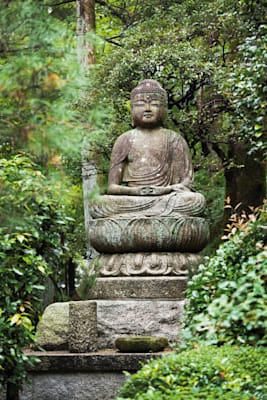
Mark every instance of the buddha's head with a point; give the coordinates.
(148, 104)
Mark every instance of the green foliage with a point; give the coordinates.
(40, 82)
(164, 53)
(211, 183)
(203, 373)
(246, 88)
(35, 233)
(178, 44)
(86, 276)
(228, 296)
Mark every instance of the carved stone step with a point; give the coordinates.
(170, 287)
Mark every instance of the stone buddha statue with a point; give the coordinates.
(151, 172)
(151, 205)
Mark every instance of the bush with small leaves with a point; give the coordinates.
(206, 372)
(33, 221)
(227, 298)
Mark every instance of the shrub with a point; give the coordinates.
(228, 296)
(33, 221)
(206, 372)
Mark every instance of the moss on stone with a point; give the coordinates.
(141, 344)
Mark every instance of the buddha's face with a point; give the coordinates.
(147, 110)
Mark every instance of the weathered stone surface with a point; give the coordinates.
(73, 386)
(181, 234)
(101, 360)
(115, 318)
(82, 326)
(170, 287)
(91, 376)
(53, 330)
(137, 317)
(171, 204)
(141, 344)
(154, 264)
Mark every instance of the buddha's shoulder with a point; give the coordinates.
(126, 135)
(127, 139)
(172, 134)
(123, 139)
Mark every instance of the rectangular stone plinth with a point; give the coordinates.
(148, 287)
(119, 318)
(91, 376)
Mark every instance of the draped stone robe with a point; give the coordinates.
(146, 160)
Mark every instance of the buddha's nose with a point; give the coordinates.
(148, 107)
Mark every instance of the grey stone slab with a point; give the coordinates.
(112, 319)
(78, 386)
(138, 317)
(91, 376)
(82, 326)
(100, 361)
(139, 288)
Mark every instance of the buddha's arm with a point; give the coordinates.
(115, 179)
(117, 162)
(183, 175)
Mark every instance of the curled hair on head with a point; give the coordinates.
(152, 87)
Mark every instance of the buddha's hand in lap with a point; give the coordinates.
(154, 190)
(159, 190)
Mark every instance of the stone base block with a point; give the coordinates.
(91, 376)
(113, 319)
(137, 317)
(74, 385)
(171, 287)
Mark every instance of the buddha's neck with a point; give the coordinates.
(149, 131)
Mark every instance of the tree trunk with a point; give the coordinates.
(245, 181)
(85, 25)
